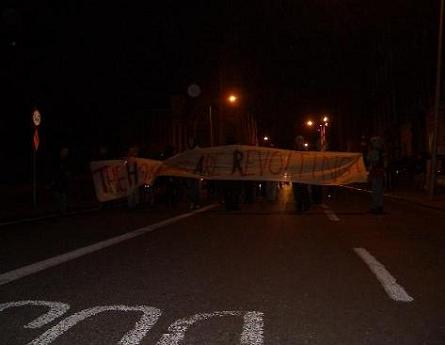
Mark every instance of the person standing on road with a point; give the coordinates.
(301, 190)
(376, 174)
(193, 192)
(61, 184)
(132, 172)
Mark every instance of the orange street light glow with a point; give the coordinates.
(325, 119)
(232, 98)
(309, 123)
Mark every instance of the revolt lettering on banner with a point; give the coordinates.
(114, 178)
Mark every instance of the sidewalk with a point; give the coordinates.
(16, 202)
(411, 195)
(420, 197)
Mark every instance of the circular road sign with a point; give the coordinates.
(194, 90)
(36, 117)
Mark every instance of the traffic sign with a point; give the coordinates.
(36, 140)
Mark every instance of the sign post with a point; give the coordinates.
(36, 119)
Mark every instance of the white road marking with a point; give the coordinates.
(56, 309)
(253, 328)
(252, 333)
(389, 283)
(329, 213)
(57, 260)
(133, 337)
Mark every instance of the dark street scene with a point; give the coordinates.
(222, 172)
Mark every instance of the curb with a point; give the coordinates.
(399, 198)
(48, 216)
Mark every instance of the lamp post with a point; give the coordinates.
(436, 105)
(211, 125)
(36, 120)
(194, 91)
(322, 129)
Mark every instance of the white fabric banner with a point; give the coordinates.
(113, 179)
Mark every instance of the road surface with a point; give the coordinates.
(261, 275)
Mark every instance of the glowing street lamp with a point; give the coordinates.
(232, 98)
(322, 129)
(266, 138)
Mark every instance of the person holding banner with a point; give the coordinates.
(301, 190)
(132, 173)
(376, 174)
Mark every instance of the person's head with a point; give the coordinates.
(299, 142)
(376, 143)
(64, 152)
(133, 151)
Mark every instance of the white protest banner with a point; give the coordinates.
(114, 179)
(240, 162)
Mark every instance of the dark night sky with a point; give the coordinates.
(90, 65)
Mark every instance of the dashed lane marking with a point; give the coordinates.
(329, 213)
(57, 260)
(389, 283)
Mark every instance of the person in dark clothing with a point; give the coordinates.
(193, 192)
(317, 194)
(376, 174)
(301, 190)
(232, 191)
(61, 184)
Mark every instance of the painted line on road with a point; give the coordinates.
(16, 274)
(329, 213)
(389, 283)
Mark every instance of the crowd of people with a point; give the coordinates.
(173, 190)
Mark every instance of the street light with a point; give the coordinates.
(266, 138)
(322, 129)
(232, 98)
(436, 126)
(194, 91)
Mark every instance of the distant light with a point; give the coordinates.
(325, 119)
(309, 123)
(306, 144)
(232, 98)
(266, 138)
(326, 124)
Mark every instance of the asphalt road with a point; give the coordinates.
(261, 275)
